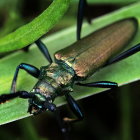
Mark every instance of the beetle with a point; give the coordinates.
(71, 67)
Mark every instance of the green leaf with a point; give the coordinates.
(122, 72)
(112, 1)
(5, 3)
(109, 1)
(30, 32)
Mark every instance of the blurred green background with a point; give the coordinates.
(111, 115)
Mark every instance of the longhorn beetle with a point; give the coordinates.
(72, 65)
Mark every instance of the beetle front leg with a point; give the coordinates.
(28, 68)
(20, 94)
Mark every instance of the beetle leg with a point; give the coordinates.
(62, 125)
(28, 68)
(42, 47)
(52, 107)
(124, 55)
(80, 15)
(74, 107)
(20, 94)
(100, 84)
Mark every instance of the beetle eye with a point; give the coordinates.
(49, 106)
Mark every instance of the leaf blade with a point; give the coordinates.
(17, 108)
(30, 32)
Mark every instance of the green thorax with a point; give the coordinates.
(55, 79)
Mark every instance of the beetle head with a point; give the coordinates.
(39, 103)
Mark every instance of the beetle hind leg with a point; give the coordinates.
(124, 55)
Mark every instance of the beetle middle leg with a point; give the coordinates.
(82, 7)
(99, 84)
(75, 108)
(32, 70)
(73, 104)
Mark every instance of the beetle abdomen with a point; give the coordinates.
(90, 53)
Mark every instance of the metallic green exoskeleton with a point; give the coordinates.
(74, 64)
(54, 80)
(79, 61)
(92, 52)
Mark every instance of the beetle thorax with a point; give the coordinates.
(54, 80)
